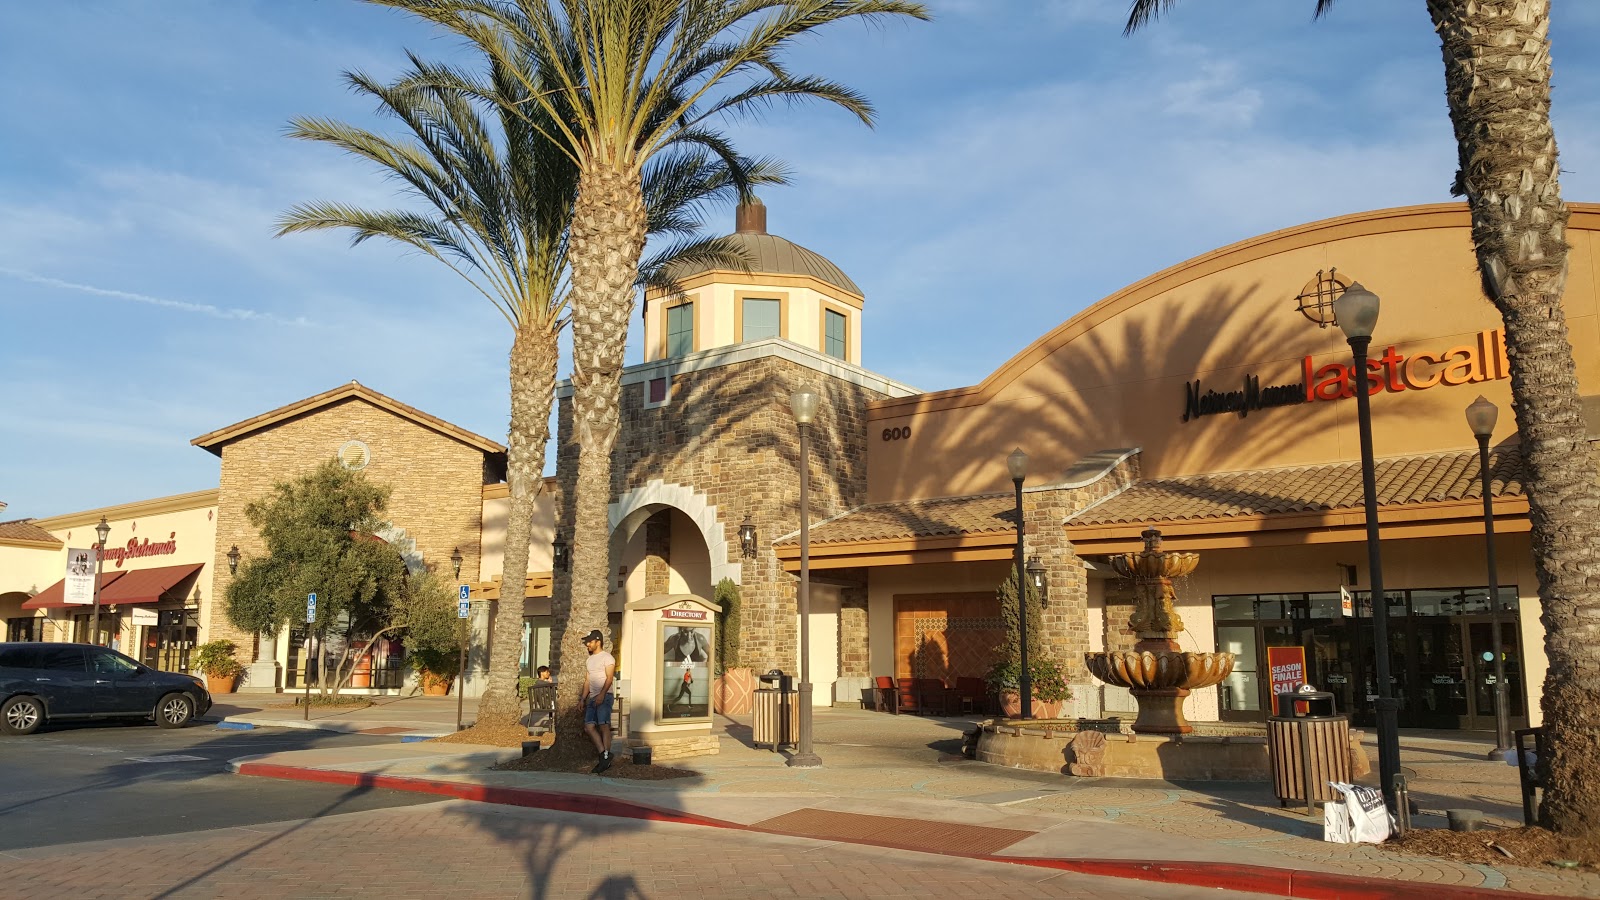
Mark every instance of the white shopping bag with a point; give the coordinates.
(1359, 816)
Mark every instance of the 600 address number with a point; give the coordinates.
(898, 433)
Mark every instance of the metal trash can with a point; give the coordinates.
(777, 711)
(1309, 744)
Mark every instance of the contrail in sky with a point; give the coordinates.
(204, 309)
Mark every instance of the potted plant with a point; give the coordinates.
(215, 660)
(734, 686)
(1049, 687)
(436, 668)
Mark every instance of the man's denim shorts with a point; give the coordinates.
(598, 714)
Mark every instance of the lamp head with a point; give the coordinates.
(559, 553)
(1017, 464)
(1481, 416)
(1036, 577)
(103, 530)
(233, 560)
(747, 538)
(804, 404)
(455, 560)
(1356, 311)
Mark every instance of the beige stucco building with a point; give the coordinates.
(1205, 400)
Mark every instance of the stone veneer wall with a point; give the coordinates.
(729, 434)
(658, 554)
(855, 657)
(437, 484)
(1066, 618)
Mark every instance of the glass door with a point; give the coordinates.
(1240, 693)
(1480, 672)
(1438, 675)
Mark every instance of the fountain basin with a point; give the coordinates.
(1160, 680)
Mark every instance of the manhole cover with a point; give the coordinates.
(891, 831)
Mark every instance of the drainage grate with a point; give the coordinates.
(890, 831)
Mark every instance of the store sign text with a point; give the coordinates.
(1483, 360)
(137, 549)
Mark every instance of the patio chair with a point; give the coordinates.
(972, 694)
(906, 695)
(885, 697)
(932, 696)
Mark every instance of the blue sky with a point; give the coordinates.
(1028, 160)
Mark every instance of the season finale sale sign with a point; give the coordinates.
(1288, 667)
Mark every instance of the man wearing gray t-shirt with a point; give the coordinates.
(599, 671)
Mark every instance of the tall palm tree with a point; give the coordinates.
(501, 197)
(1497, 85)
(647, 75)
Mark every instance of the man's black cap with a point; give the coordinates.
(594, 636)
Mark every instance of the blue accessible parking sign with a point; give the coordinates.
(311, 609)
(464, 607)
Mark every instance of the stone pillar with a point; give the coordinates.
(854, 656)
(658, 554)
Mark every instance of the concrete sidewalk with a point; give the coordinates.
(901, 782)
(415, 716)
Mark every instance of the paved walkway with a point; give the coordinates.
(908, 770)
(417, 716)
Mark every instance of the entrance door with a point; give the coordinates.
(1437, 674)
(1480, 671)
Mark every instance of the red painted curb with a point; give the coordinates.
(1232, 876)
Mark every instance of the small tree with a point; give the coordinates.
(320, 534)
(728, 652)
(1049, 684)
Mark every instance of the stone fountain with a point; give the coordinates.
(1158, 674)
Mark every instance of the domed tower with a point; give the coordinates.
(789, 292)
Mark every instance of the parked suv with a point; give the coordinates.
(42, 683)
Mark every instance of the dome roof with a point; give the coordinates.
(772, 255)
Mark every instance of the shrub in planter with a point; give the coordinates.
(1049, 684)
(216, 661)
(733, 690)
(435, 667)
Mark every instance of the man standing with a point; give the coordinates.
(601, 668)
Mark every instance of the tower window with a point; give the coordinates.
(680, 329)
(762, 319)
(835, 340)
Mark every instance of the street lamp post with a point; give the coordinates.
(103, 530)
(1017, 462)
(461, 674)
(804, 405)
(1356, 310)
(1481, 416)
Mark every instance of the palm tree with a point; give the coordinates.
(501, 197)
(1497, 84)
(647, 75)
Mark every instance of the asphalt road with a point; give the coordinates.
(94, 782)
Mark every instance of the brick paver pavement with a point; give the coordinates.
(487, 851)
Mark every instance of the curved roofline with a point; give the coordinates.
(1584, 216)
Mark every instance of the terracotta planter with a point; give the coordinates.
(434, 685)
(1011, 706)
(221, 684)
(732, 693)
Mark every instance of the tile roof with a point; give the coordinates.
(942, 517)
(25, 530)
(1431, 478)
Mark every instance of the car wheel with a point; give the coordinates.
(174, 711)
(22, 715)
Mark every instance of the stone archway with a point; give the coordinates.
(636, 505)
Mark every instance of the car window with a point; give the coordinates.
(109, 662)
(61, 659)
(18, 657)
(104, 662)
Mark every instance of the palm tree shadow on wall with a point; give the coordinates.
(1175, 339)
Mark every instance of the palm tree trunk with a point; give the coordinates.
(1497, 81)
(607, 238)
(534, 355)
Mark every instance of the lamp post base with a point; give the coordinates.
(804, 758)
(804, 761)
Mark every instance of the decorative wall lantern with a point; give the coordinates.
(1036, 577)
(560, 554)
(233, 560)
(455, 561)
(747, 539)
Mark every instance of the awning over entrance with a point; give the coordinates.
(147, 585)
(53, 597)
(138, 586)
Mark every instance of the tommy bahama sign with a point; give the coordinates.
(137, 549)
(1483, 360)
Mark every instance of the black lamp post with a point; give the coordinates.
(103, 531)
(1481, 416)
(233, 560)
(1356, 310)
(804, 405)
(747, 539)
(1017, 463)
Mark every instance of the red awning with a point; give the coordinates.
(146, 585)
(51, 597)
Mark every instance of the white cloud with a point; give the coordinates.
(205, 309)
